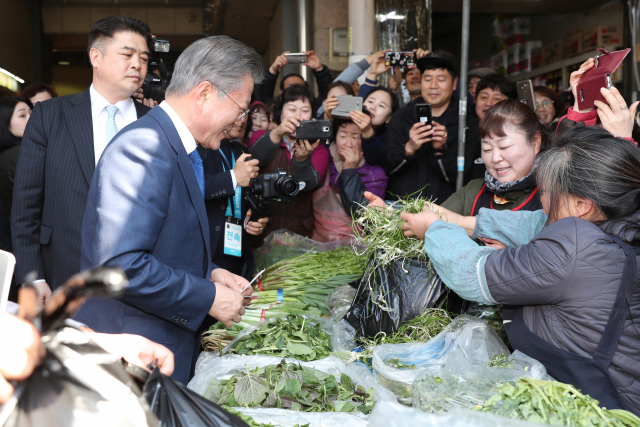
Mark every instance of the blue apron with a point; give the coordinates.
(588, 374)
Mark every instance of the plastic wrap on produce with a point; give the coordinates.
(465, 379)
(209, 367)
(339, 301)
(343, 337)
(387, 414)
(283, 244)
(465, 332)
(286, 418)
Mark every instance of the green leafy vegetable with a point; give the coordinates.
(499, 361)
(395, 363)
(290, 386)
(293, 336)
(555, 403)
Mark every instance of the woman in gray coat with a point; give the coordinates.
(569, 270)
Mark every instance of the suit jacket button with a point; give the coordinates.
(212, 194)
(224, 191)
(217, 228)
(222, 207)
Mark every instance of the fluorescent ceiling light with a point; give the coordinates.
(13, 76)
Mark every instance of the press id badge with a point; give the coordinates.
(232, 237)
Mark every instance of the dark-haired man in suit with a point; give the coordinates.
(61, 147)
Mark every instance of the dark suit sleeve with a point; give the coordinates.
(28, 197)
(396, 159)
(140, 186)
(324, 79)
(267, 88)
(218, 185)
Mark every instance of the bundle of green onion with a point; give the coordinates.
(309, 278)
(219, 336)
(382, 232)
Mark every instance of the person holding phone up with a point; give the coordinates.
(307, 161)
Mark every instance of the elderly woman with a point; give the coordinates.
(569, 269)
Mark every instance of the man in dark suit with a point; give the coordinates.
(61, 147)
(146, 213)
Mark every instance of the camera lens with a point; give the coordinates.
(287, 186)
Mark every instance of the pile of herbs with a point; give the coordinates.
(219, 335)
(250, 421)
(291, 386)
(427, 325)
(293, 336)
(555, 403)
(395, 363)
(499, 361)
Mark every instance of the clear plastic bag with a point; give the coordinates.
(331, 221)
(286, 418)
(339, 301)
(210, 367)
(464, 331)
(283, 244)
(343, 337)
(387, 414)
(465, 380)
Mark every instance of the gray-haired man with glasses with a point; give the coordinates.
(146, 212)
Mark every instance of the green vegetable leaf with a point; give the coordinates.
(298, 349)
(346, 382)
(293, 387)
(250, 390)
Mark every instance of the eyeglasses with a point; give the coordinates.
(244, 112)
(545, 104)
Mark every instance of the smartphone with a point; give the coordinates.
(423, 113)
(347, 104)
(525, 93)
(296, 58)
(313, 130)
(399, 59)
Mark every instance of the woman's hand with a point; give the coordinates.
(418, 224)
(287, 127)
(256, 228)
(439, 136)
(616, 117)
(396, 79)
(351, 155)
(377, 66)
(330, 104)
(304, 150)
(492, 243)
(575, 79)
(279, 63)
(363, 121)
(374, 200)
(313, 61)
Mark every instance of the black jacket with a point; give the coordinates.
(267, 88)
(433, 173)
(218, 189)
(51, 186)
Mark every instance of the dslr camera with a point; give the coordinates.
(158, 77)
(277, 186)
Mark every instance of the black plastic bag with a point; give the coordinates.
(177, 406)
(78, 383)
(400, 293)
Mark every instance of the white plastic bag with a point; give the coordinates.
(343, 337)
(464, 331)
(287, 418)
(465, 380)
(386, 414)
(209, 367)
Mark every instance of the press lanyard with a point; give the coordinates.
(237, 198)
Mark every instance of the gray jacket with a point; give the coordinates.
(567, 278)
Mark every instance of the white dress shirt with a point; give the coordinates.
(126, 114)
(185, 135)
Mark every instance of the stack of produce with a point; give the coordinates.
(291, 386)
(293, 336)
(421, 329)
(219, 336)
(555, 403)
(309, 278)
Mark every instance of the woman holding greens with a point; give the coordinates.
(568, 271)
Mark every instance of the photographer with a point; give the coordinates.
(227, 171)
(307, 161)
(421, 158)
(267, 88)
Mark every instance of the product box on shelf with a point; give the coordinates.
(553, 52)
(572, 43)
(499, 62)
(537, 57)
(498, 34)
(525, 54)
(513, 59)
(602, 35)
(518, 30)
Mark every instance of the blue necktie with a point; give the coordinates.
(112, 129)
(196, 162)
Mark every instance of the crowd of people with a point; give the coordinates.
(97, 178)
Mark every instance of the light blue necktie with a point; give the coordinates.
(112, 129)
(196, 162)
